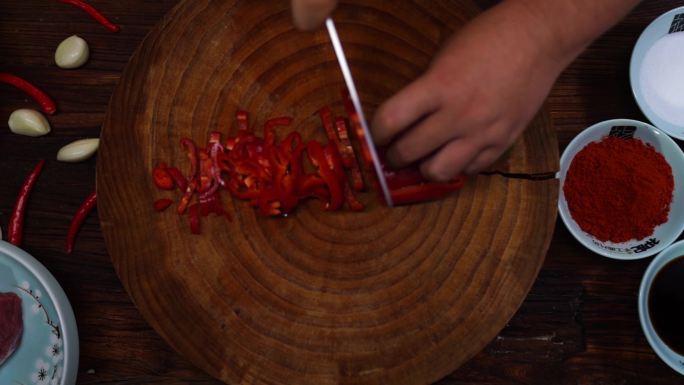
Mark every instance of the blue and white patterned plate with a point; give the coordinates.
(48, 351)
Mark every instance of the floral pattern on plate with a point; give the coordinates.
(41, 354)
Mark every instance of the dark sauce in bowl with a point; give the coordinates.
(666, 304)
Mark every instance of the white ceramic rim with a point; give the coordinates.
(65, 313)
(565, 163)
(671, 358)
(638, 53)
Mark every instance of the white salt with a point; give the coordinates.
(662, 78)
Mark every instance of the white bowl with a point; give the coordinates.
(665, 233)
(657, 29)
(670, 357)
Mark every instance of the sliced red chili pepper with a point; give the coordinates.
(334, 160)
(94, 13)
(215, 154)
(269, 133)
(178, 178)
(230, 143)
(162, 178)
(348, 155)
(323, 195)
(345, 146)
(80, 216)
(194, 218)
(358, 130)
(245, 194)
(308, 184)
(291, 141)
(335, 163)
(206, 184)
(248, 167)
(162, 204)
(425, 191)
(191, 150)
(209, 205)
(327, 120)
(16, 222)
(284, 183)
(351, 200)
(46, 103)
(318, 159)
(242, 120)
(268, 203)
(187, 196)
(268, 174)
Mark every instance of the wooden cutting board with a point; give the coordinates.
(385, 296)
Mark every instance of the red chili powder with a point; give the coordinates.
(619, 189)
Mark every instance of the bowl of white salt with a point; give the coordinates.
(657, 72)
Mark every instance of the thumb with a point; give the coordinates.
(310, 14)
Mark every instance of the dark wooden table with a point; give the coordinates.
(578, 325)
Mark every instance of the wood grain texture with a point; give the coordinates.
(578, 324)
(400, 296)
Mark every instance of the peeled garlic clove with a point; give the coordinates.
(71, 53)
(79, 150)
(28, 122)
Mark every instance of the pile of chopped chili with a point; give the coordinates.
(274, 175)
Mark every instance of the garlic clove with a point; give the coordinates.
(79, 150)
(71, 53)
(28, 122)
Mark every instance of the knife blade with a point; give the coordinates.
(353, 94)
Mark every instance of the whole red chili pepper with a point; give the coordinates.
(425, 191)
(16, 222)
(80, 216)
(94, 13)
(46, 103)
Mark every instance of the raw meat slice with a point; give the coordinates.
(11, 324)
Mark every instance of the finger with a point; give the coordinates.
(404, 109)
(310, 14)
(450, 160)
(483, 160)
(421, 140)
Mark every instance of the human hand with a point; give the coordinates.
(476, 98)
(309, 14)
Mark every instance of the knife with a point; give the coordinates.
(349, 81)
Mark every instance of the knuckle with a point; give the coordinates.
(402, 153)
(436, 172)
(387, 118)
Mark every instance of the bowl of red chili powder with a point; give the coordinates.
(621, 189)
